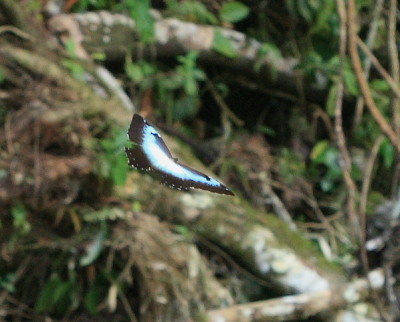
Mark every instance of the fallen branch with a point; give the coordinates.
(301, 306)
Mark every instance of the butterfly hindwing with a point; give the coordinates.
(194, 179)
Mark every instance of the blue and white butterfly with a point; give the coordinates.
(151, 154)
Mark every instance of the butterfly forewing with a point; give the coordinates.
(152, 154)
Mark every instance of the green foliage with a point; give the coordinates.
(233, 11)
(381, 94)
(290, 166)
(103, 214)
(350, 80)
(190, 73)
(388, 153)
(184, 231)
(141, 72)
(95, 295)
(266, 130)
(7, 282)
(99, 56)
(177, 89)
(331, 100)
(140, 12)
(85, 5)
(324, 155)
(72, 64)
(20, 221)
(187, 76)
(111, 158)
(223, 45)
(60, 295)
(273, 53)
(318, 13)
(2, 76)
(56, 295)
(194, 11)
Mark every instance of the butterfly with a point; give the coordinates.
(151, 154)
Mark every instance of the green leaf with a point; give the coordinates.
(223, 45)
(61, 291)
(119, 170)
(70, 47)
(387, 152)
(324, 14)
(92, 299)
(134, 72)
(184, 232)
(350, 80)
(20, 221)
(233, 11)
(7, 282)
(194, 11)
(140, 12)
(99, 56)
(2, 74)
(74, 67)
(189, 73)
(305, 10)
(331, 100)
(46, 300)
(380, 85)
(319, 150)
(271, 52)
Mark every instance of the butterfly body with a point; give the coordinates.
(151, 154)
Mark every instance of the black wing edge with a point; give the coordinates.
(181, 184)
(135, 132)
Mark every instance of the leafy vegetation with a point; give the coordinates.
(291, 122)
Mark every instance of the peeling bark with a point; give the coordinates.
(301, 306)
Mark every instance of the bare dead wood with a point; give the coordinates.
(173, 278)
(301, 306)
(50, 68)
(263, 244)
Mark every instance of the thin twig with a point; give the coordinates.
(345, 165)
(127, 306)
(279, 207)
(15, 31)
(382, 71)
(394, 61)
(394, 71)
(356, 61)
(367, 179)
(220, 101)
(370, 39)
(386, 128)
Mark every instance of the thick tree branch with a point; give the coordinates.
(301, 306)
(110, 33)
